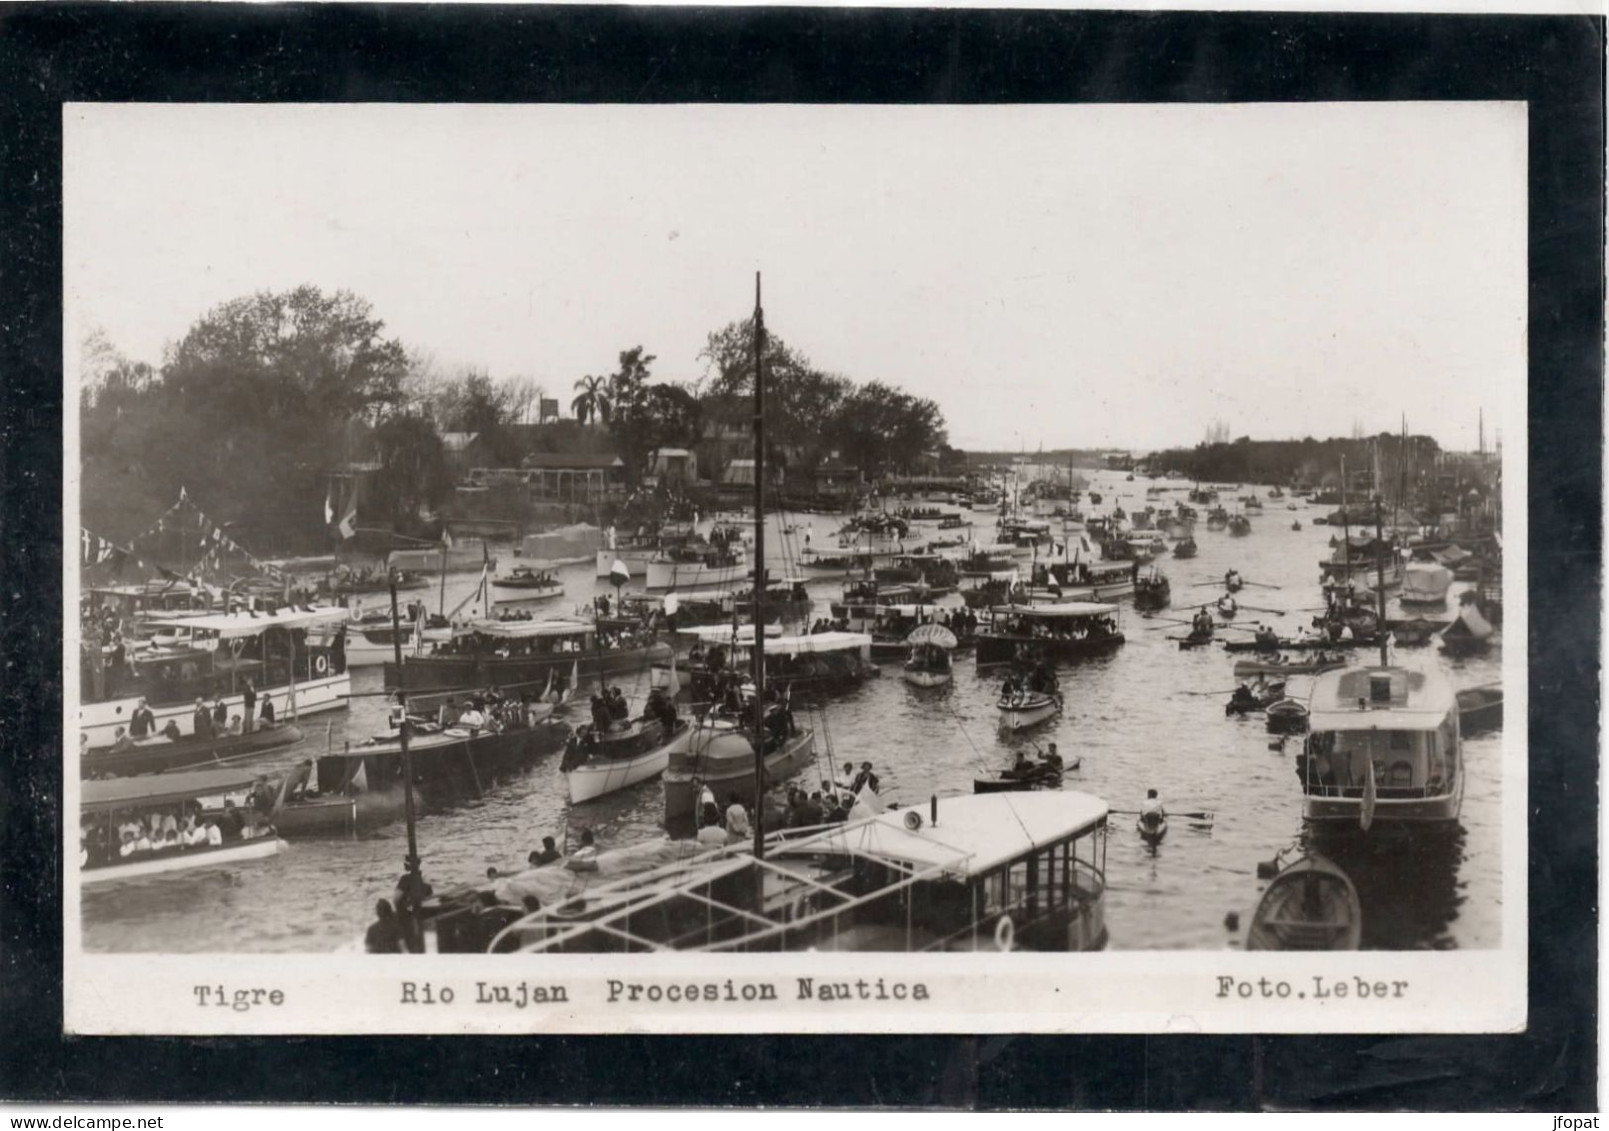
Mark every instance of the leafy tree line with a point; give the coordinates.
(1310, 461)
(266, 395)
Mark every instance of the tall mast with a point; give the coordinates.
(1380, 578)
(759, 572)
(411, 864)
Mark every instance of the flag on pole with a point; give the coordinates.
(329, 504)
(619, 574)
(1366, 814)
(671, 603)
(673, 685)
(349, 516)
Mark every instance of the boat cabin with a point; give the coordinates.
(1389, 732)
(140, 826)
(1005, 871)
(1047, 632)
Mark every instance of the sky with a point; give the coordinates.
(1089, 276)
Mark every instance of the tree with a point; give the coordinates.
(250, 410)
(592, 402)
(413, 468)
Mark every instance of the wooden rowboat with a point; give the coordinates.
(1152, 827)
(1311, 905)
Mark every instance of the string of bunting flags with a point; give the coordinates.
(213, 544)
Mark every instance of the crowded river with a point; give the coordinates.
(1146, 715)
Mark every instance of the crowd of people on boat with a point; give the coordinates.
(1056, 628)
(140, 835)
(1019, 686)
(492, 711)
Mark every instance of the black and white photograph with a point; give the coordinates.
(795, 567)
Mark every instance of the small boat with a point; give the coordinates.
(1152, 827)
(1480, 708)
(1194, 640)
(1227, 607)
(1037, 775)
(1311, 905)
(1288, 716)
(718, 755)
(597, 764)
(1239, 526)
(1152, 591)
(1249, 698)
(1233, 582)
(160, 755)
(1425, 583)
(1296, 525)
(533, 583)
(107, 805)
(1285, 665)
(929, 663)
(1028, 709)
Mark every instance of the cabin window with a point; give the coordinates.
(1401, 740)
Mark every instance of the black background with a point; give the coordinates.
(51, 54)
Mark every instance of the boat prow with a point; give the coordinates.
(1311, 905)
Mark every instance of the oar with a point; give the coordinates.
(1259, 609)
(1226, 691)
(1263, 585)
(1199, 815)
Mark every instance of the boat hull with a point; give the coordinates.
(1311, 905)
(1004, 649)
(918, 677)
(692, 575)
(1342, 813)
(159, 756)
(101, 720)
(457, 673)
(1030, 711)
(701, 760)
(603, 776)
(184, 860)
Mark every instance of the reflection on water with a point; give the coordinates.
(1145, 716)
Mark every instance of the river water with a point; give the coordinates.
(1133, 717)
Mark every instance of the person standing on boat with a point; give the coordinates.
(249, 699)
(202, 719)
(142, 723)
(220, 717)
(267, 713)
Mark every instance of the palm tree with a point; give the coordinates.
(592, 402)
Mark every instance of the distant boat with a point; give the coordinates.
(1311, 905)
(1480, 708)
(1468, 634)
(1425, 583)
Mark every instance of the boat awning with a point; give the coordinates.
(246, 624)
(162, 789)
(1065, 610)
(526, 629)
(1419, 700)
(973, 835)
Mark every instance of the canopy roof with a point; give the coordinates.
(248, 624)
(1067, 609)
(525, 629)
(162, 789)
(974, 834)
(935, 634)
(784, 645)
(1420, 699)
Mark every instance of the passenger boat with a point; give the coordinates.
(816, 663)
(449, 764)
(1152, 591)
(294, 656)
(717, 753)
(1066, 631)
(106, 804)
(989, 562)
(1285, 665)
(691, 566)
(1480, 708)
(597, 764)
(929, 574)
(1383, 745)
(929, 663)
(918, 880)
(1425, 583)
(527, 654)
(1217, 519)
(1186, 548)
(1085, 580)
(533, 582)
(1311, 905)
(1362, 561)
(1239, 526)
(159, 755)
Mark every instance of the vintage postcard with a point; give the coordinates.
(784, 568)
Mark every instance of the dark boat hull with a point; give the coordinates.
(191, 751)
(993, 649)
(457, 673)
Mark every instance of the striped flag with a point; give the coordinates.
(619, 574)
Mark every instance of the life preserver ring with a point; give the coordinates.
(321, 664)
(1005, 933)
